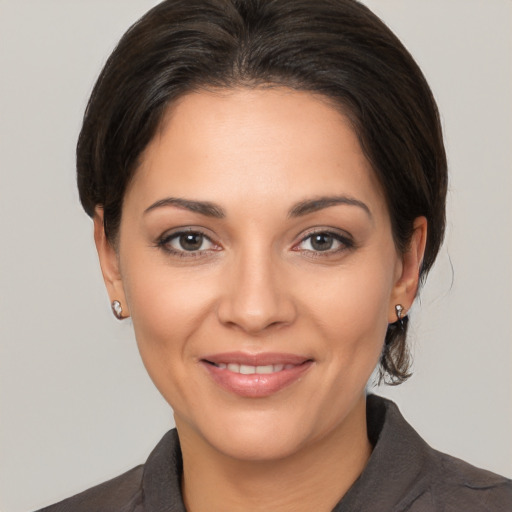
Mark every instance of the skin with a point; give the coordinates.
(258, 284)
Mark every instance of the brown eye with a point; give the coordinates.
(191, 241)
(321, 242)
(187, 243)
(325, 242)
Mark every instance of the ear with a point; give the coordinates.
(407, 280)
(109, 262)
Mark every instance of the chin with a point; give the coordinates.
(258, 445)
(262, 435)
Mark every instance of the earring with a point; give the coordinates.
(399, 309)
(117, 309)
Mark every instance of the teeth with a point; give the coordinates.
(245, 369)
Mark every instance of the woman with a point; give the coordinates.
(267, 182)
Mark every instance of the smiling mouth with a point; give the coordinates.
(256, 376)
(246, 369)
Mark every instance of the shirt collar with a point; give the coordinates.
(396, 473)
(398, 470)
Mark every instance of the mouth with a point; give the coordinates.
(246, 369)
(256, 375)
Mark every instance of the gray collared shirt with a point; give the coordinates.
(402, 474)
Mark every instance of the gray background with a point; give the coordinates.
(76, 405)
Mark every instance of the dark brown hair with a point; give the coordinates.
(336, 48)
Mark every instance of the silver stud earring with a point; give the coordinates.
(399, 309)
(117, 309)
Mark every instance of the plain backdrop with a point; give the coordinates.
(76, 405)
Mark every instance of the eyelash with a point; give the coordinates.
(346, 243)
(164, 241)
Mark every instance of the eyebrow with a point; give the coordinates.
(298, 210)
(314, 205)
(203, 207)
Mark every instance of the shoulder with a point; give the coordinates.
(152, 485)
(419, 478)
(123, 493)
(457, 485)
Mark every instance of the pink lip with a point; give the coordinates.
(256, 385)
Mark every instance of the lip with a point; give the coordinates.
(256, 385)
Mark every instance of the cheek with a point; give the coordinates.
(167, 308)
(351, 307)
(165, 304)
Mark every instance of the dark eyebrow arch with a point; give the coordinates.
(316, 204)
(202, 207)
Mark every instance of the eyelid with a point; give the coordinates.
(339, 235)
(162, 242)
(183, 230)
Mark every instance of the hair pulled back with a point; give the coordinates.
(336, 48)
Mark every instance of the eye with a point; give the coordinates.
(186, 242)
(324, 241)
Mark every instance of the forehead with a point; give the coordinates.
(272, 145)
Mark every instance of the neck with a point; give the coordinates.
(314, 478)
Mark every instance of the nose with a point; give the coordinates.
(256, 297)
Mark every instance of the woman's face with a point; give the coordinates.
(257, 262)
